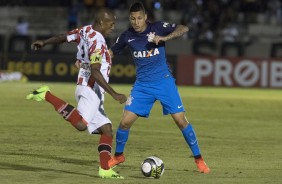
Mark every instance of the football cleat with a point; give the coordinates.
(109, 174)
(115, 160)
(202, 166)
(38, 94)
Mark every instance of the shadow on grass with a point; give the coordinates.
(53, 157)
(12, 166)
(7, 166)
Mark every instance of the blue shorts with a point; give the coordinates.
(144, 94)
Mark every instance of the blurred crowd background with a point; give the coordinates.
(247, 22)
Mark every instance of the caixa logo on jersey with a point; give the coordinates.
(146, 53)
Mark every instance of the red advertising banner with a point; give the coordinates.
(229, 71)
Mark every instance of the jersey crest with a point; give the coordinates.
(151, 36)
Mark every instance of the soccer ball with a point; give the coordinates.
(152, 167)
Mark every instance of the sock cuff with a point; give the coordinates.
(48, 95)
(188, 128)
(122, 130)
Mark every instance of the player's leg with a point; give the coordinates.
(105, 145)
(105, 149)
(191, 139)
(128, 118)
(188, 133)
(67, 111)
(139, 103)
(92, 108)
(172, 104)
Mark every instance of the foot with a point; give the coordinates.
(109, 174)
(202, 166)
(115, 160)
(38, 94)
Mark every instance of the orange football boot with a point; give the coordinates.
(115, 160)
(202, 166)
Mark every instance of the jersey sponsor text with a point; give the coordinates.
(146, 53)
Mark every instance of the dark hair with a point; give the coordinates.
(101, 13)
(137, 6)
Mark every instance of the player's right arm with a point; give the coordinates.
(38, 44)
(71, 36)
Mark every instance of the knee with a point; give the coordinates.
(180, 120)
(109, 134)
(125, 125)
(127, 120)
(80, 126)
(106, 129)
(182, 123)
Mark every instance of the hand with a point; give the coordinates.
(111, 53)
(120, 97)
(77, 64)
(37, 45)
(158, 39)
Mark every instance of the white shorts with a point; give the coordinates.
(91, 106)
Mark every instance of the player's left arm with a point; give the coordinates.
(111, 53)
(179, 31)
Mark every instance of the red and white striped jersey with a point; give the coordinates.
(92, 48)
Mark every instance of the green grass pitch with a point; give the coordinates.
(239, 133)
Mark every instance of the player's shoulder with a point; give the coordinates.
(99, 36)
(162, 24)
(85, 29)
(155, 24)
(127, 33)
(92, 34)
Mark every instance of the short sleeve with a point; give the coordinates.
(119, 44)
(96, 54)
(165, 28)
(73, 36)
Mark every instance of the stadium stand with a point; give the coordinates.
(258, 29)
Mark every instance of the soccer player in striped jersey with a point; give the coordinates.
(154, 81)
(92, 83)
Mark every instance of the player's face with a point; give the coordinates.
(108, 25)
(138, 21)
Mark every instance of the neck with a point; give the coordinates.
(98, 28)
(144, 28)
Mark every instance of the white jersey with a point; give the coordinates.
(92, 48)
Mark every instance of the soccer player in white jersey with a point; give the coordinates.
(92, 83)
